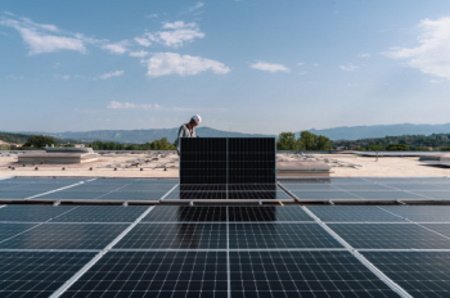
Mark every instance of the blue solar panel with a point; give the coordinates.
(88, 214)
(303, 274)
(281, 236)
(37, 274)
(65, 236)
(388, 236)
(155, 274)
(11, 229)
(32, 213)
(353, 213)
(422, 274)
(177, 236)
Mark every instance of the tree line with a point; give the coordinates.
(306, 141)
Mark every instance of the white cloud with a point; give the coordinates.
(138, 54)
(117, 48)
(112, 74)
(432, 55)
(43, 38)
(174, 34)
(269, 67)
(117, 105)
(162, 64)
(349, 67)
(143, 41)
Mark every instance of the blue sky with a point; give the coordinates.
(248, 65)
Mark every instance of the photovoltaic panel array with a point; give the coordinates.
(229, 251)
(227, 161)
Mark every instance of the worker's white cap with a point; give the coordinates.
(197, 118)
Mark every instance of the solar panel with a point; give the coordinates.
(231, 191)
(32, 213)
(353, 213)
(176, 236)
(186, 214)
(443, 229)
(11, 229)
(37, 274)
(155, 274)
(217, 251)
(227, 161)
(21, 188)
(422, 274)
(278, 235)
(303, 274)
(421, 213)
(267, 213)
(116, 189)
(65, 236)
(88, 214)
(389, 236)
(203, 161)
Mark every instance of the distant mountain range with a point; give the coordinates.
(381, 131)
(338, 133)
(140, 136)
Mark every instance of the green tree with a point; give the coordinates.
(39, 141)
(323, 143)
(307, 141)
(162, 144)
(286, 141)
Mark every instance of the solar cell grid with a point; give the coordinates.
(198, 192)
(443, 229)
(421, 213)
(227, 160)
(281, 236)
(181, 213)
(65, 236)
(389, 236)
(422, 274)
(37, 274)
(155, 274)
(269, 213)
(32, 213)
(353, 213)
(303, 274)
(101, 214)
(9, 230)
(175, 236)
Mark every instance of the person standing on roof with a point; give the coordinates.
(187, 130)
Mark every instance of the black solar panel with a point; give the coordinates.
(155, 274)
(227, 161)
(422, 274)
(37, 274)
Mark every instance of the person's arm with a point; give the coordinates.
(178, 140)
